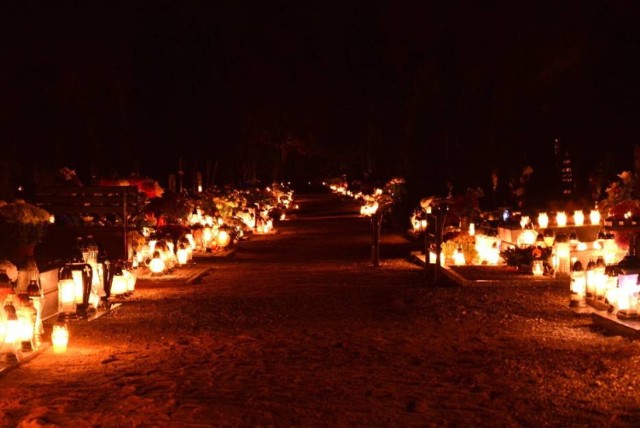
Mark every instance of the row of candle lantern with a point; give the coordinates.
(561, 218)
(605, 287)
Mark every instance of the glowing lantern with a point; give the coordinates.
(9, 329)
(458, 257)
(537, 268)
(590, 276)
(119, 283)
(561, 219)
(600, 278)
(549, 237)
(131, 279)
(524, 221)
(578, 218)
(578, 286)
(223, 239)
(563, 254)
(26, 323)
(472, 229)
(493, 255)
(207, 236)
(66, 293)
(543, 220)
(423, 224)
(60, 337)
(156, 264)
(627, 297)
(182, 254)
(610, 249)
(594, 217)
(527, 238)
(192, 241)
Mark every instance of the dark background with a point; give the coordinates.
(240, 90)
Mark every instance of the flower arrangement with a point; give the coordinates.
(21, 223)
(524, 256)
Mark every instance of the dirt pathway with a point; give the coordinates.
(296, 329)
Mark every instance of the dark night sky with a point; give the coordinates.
(424, 89)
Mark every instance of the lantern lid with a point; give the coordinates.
(577, 266)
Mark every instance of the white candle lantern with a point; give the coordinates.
(131, 279)
(578, 286)
(561, 219)
(182, 254)
(594, 217)
(458, 257)
(10, 328)
(600, 278)
(60, 337)
(563, 254)
(578, 218)
(66, 293)
(537, 268)
(156, 264)
(590, 276)
(26, 323)
(223, 239)
(543, 220)
(627, 297)
(472, 229)
(119, 283)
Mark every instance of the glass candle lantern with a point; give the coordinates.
(594, 217)
(60, 337)
(543, 220)
(590, 280)
(561, 219)
(578, 217)
(578, 286)
(537, 268)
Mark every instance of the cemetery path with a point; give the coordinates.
(296, 329)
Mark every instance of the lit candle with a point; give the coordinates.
(59, 338)
(561, 219)
(543, 220)
(578, 217)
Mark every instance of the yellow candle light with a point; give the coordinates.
(578, 218)
(561, 219)
(60, 338)
(543, 220)
(594, 217)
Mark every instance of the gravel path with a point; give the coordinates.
(296, 329)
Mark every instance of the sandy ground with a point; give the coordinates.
(296, 329)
